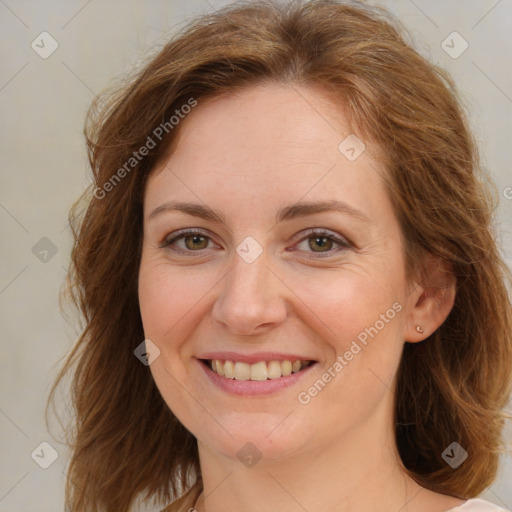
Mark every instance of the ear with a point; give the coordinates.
(431, 299)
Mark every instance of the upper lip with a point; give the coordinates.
(253, 358)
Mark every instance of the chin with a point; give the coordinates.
(262, 436)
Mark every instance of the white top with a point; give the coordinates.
(477, 505)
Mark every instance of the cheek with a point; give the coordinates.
(173, 302)
(157, 305)
(168, 300)
(349, 301)
(361, 323)
(360, 318)
(166, 296)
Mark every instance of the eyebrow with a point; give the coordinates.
(301, 209)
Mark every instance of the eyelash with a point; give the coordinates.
(312, 233)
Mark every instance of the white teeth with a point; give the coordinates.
(296, 366)
(274, 370)
(259, 371)
(242, 371)
(229, 369)
(286, 368)
(219, 367)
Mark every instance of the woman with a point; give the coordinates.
(288, 209)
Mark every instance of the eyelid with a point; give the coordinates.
(326, 232)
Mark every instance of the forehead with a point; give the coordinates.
(270, 120)
(267, 143)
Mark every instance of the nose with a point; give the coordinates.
(252, 298)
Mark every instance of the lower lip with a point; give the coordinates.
(254, 387)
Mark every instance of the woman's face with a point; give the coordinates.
(292, 252)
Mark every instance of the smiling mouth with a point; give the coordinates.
(261, 371)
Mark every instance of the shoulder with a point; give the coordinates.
(186, 502)
(477, 505)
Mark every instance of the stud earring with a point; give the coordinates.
(419, 329)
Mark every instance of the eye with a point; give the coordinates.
(184, 241)
(323, 242)
(316, 241)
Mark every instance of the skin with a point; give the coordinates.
(246, 155)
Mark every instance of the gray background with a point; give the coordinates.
(43, 169)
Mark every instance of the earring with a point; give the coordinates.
(419, 329)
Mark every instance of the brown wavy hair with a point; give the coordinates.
(125, 442)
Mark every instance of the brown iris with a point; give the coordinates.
(196, 239)
(323, 242)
